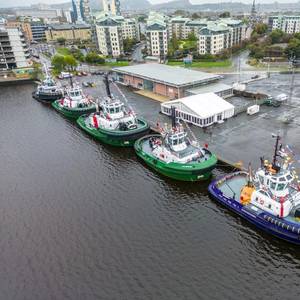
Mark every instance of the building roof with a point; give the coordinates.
(174, 76)
(68, 26)
(202, 105)
(210, 88)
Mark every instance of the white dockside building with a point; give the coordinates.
(201, 110)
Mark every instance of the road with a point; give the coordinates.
(137, 55)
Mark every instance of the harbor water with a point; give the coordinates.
(82, 220)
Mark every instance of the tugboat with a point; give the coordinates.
(174, 155)
(114, 123)
(270, 199)
(48, 91)
(75, 103)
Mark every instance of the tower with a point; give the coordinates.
(81, 10)
(253, 9)
(112, 6)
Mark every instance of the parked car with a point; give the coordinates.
(85, 84)
(64, 75)
(91, 83)
(84, 73)
(98, 73)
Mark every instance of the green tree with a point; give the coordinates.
(37, 71)
(70, 62)
(276, 36)
(260, 28)
(195, 16)
(94, 58)
(225, 14)
(128, 44)
(58, 62)
(293, 49)
(61, 41)
(192, 36)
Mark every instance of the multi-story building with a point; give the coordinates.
(23, 26)
(219, 35)
(38, 30)
(288, 24)
(39, 13)
(81, 11)
(157, 35)
(212, 39)
(130, 29)
(111, 30)
(112, 6)
(14, 52)
(110, 36)
(177, 27)
(70, 32)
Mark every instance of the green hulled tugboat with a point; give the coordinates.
(174, 155)
(75, 103)
(114, 123)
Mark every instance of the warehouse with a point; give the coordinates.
(201, 110)
(171, 82)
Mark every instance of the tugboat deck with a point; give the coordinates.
(140, 125)
(145, 146)
(231, 188)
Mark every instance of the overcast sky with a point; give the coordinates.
(7, 3)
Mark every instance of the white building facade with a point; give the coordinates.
(288, 24)
(157, 35)
(200, 110)
(14, 52)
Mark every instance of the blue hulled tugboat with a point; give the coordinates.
(269, 198)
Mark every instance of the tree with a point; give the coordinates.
(61, 41)
(94, 58)
(192, 36)
(293, 49)
(70, 62)
(225, 14)
(195, 16)
(37, 71)
(58, 62)
(260, 28)
(78, 55)
(276, 36)
(128, 44)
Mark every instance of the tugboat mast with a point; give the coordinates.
(274, 163)
(106, 82)
(173, 116)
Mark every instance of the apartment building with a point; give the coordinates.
(157, 35)
(130, 29)
(25, 27)
(38, 31)
(81, 11)
(111, 30)
(70, 32)
(110, 36)
(112, 7)
(219, 35)
(14, 52)
(288, 24)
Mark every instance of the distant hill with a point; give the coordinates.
(187, 5)
(125, 4)
(176, 4)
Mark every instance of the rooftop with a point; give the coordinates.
(174, 76)
(202, 105)
(68, 26)
(210, 88)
